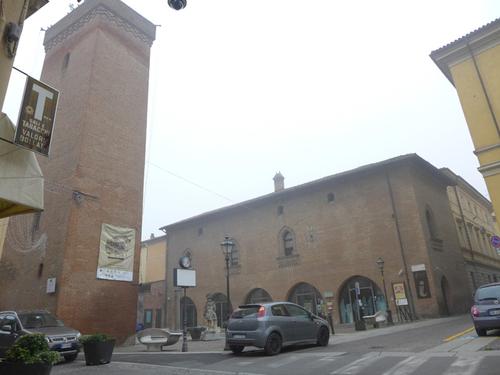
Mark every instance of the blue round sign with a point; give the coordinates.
(495, 241)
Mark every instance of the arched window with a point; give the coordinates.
(307, 296)
(258, 295)
(287, 242)
(431, 224)
(235, 255)
(191, 316)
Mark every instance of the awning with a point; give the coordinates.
(21, 179)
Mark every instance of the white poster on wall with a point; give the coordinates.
(116, 253)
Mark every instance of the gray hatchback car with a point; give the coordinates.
(272, 326)
(486, 310)
(60, 338)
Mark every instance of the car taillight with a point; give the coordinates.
(474, 311)
(261, 312)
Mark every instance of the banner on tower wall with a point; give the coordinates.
(36, 117)
(116, 253)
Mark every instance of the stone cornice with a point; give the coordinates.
(111, 11)
(458, 51)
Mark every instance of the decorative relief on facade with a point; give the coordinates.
(288, 261)
(99, 11)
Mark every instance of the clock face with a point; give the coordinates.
(185, 262)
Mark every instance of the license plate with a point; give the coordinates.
(494, 312)
(66, 346)
(238, 336)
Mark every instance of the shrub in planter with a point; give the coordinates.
(98, 348)
(29, 355)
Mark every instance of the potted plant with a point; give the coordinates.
(196, 332)
(30, 355)
(98, 348)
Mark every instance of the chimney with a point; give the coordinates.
(279, 182)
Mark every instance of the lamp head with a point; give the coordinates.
(380, 263)
(227, 245)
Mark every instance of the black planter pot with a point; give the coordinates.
(17, 368)
(98, 353)
(196, 332)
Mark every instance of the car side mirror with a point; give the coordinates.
(6, 328)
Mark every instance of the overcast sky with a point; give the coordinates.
(241, 89)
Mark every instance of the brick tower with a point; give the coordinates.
(98, 57)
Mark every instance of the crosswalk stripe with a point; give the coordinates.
(406, 366)
(464, 366)
(358, 365)
(284, 362)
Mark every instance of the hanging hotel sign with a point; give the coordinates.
(116, 253)
(36, 117)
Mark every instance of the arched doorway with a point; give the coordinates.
(221, 309)
(307, 296)
(192, 320)
(445, 290)
(258, 295)
(371, 298)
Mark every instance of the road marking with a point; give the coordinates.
(458, 334)
(356, 366)
(284, 361)
(407, 366)
(464, 366)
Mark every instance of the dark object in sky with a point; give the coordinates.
(177, 4)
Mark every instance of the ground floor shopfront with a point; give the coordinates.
(356, 297)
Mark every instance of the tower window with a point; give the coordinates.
(330, 197)
(66, 61)
(280, 210)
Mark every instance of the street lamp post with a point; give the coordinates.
(227, 247)
(380, 263)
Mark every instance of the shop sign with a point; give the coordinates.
(36, 117)
(400, 294)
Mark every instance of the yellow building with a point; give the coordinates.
(12, 12)
(475, 227)
(153, 255)
(151, 304)
(472, 64)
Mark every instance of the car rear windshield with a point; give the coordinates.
(247, 312)
(39, 320)
(488, 293)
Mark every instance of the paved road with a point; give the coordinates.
(416, 349)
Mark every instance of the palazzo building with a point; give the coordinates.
(317, 244)
(475, 223)
(97, 56)
(472, 65)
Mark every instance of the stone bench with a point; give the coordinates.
(375, 319)
(156, 338)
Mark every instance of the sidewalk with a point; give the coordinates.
(343, 333)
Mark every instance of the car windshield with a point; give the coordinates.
(246, 312)
(39, 320)
(488, 293)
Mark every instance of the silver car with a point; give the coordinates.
(272, 326)
(486, 310)
(60, 338)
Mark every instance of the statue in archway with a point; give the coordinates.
(210, 314)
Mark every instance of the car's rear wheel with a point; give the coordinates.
(480, 332)
(70, 357)
(236, 349)
(323, 336)
(273, 344)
